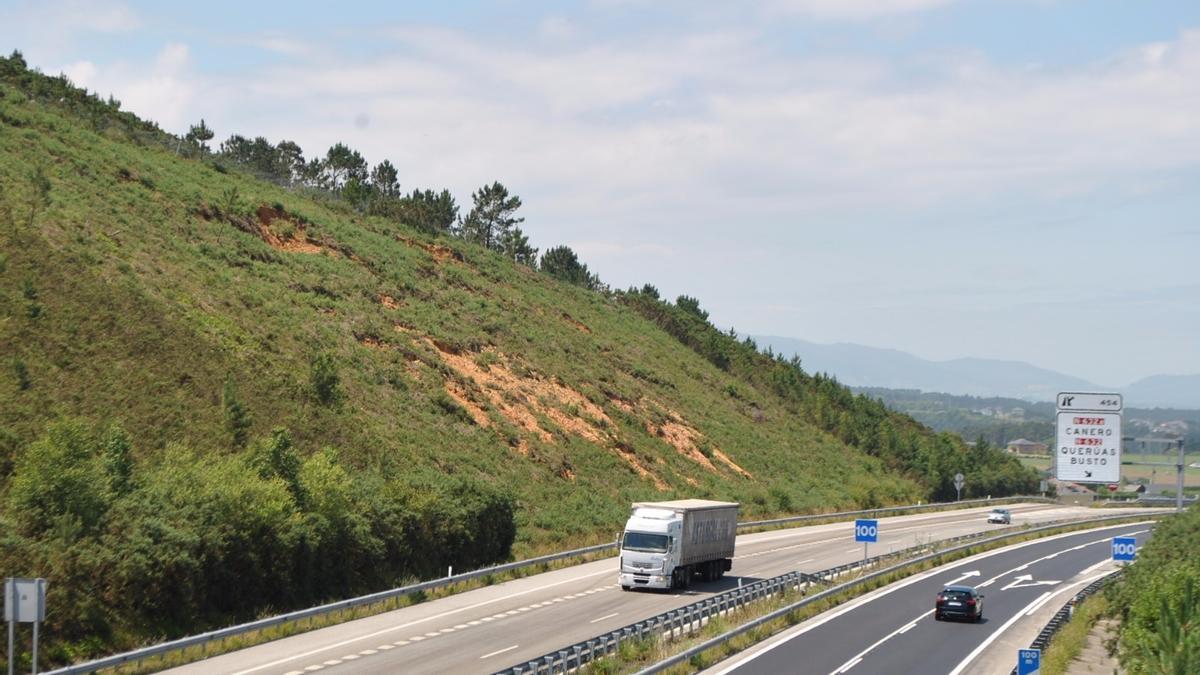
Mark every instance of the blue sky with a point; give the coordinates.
(1009, 179)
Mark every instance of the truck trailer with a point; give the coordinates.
(665, 544)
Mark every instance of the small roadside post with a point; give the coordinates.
(866, 531)
(1029, 661)
(24, 602)
(959, 481)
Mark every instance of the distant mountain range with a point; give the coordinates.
(861, 366)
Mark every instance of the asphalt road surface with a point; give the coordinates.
(893, 631)
(491, 628)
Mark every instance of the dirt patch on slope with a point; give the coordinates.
(388, 301)
(523, 399)
(439, 253)
(283, 232)
(575, 323)
(456, 391)
(688, 441)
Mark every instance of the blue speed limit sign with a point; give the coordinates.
(866, 530)
(1124, 548)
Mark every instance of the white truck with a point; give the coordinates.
(666, 543)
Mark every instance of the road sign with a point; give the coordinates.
(24, 600)
(1088, 401)
(866, 531)
(1029, 661)
(1124, 549)
(1088, 448)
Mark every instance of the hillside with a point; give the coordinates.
(215, 382)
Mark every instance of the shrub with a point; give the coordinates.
(325, 379)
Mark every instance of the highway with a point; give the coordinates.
(892, 631)
(494, 627)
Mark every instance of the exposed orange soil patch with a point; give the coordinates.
(373, 342)
(438, 252)
(686, 440)
(297, 243)
(621, 403)
(388, 301)
(521, 400)
(460, 396)
(632, 459)
(579, 325)
(683, 440)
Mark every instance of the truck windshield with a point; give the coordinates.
(640, 541)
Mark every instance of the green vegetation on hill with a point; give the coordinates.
(1158, 601)
(222, 396)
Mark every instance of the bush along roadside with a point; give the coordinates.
(1158, 601)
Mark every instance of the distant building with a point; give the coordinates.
(1026, 447)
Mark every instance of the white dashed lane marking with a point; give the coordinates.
(458, 627)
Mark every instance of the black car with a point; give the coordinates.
(959, 601)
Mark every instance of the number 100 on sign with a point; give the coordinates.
(1124, 548)
(866, 530)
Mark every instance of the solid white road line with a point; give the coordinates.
(1015, 617)
(875, 595)
(501, 651)
(604, 617)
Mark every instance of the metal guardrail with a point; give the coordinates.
(312, 612)
(693, 616)
(784, 611)
(882, 512)
(1063, 615)
(352, 603)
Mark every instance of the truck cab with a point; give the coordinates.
(650, 548)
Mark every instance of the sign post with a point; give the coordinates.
(1088, 438)
(1029, 661)
(866, 531)
(24, 602)
(959, 480)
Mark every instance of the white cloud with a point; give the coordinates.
(166, 92)
(556, 28)
(280, 44)
(856, 10)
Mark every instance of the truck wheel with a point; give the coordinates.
(624, 588)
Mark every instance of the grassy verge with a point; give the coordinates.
(1071, 638)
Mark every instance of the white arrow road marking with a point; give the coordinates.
(859, 656)
(1000, 631)
(501, 651)
(993, 580)
(883, 592)
(1017, 582)
(955, 580)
